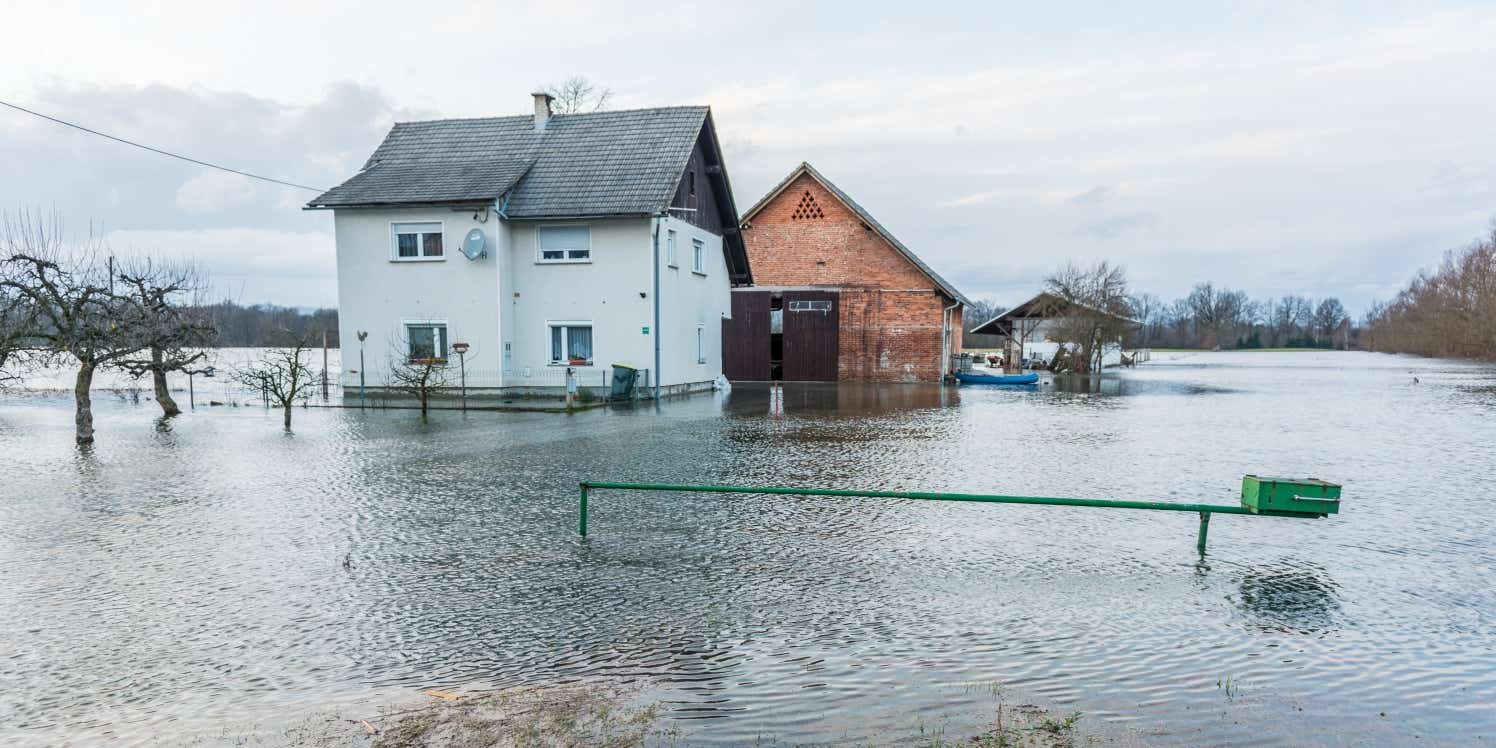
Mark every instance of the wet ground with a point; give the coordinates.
(215, 570)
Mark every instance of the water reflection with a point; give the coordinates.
(1290, 596)
(161, 583)
(839, 400)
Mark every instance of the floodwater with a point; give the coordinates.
(216, 571)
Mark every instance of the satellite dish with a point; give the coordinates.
(472, 244)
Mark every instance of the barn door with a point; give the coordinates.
(745, 338)
(810, 336)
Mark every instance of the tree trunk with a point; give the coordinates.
(158, 378)
(286, 407)
(83, 415)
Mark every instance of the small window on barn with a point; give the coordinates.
(810, 306)
(808, 209)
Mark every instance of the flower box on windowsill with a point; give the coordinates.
(420, 361)
(578, 362)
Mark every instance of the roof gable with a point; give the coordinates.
(805, 169)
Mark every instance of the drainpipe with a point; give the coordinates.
(945, 339)
(654, 230)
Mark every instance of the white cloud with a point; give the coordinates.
(214, 191)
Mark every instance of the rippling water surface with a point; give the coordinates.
(176, 579)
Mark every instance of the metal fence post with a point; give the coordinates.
(582, 513)
(1204, 528)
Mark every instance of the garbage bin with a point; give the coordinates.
(624, 379)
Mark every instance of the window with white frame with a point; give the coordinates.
(670, 248)
(416, 241)
(698, 256)
(701, 344)
(564, 243)
(425, 341)
(571, 343)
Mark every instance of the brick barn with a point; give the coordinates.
(836, 296)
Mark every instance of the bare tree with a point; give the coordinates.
(75, 312)
(577, 94)
(420, 377)
(1095, 309)
(17, 323)
(280, 375)
(171, 324)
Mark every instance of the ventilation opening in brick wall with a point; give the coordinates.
(808, 209)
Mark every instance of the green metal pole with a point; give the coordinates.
(927, 496)
(582, 513)
(1204, 528)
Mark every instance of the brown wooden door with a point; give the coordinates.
(745, 338)
(810, 336)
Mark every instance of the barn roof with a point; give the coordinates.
(1043, 305)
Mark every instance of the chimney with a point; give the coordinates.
(542, 109)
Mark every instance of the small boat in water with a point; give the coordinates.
(971, 377)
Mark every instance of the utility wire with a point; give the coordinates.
(158, 150)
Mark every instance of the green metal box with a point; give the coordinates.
(1296, 497)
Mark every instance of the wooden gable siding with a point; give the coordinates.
(708, 213)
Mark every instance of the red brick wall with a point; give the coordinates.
(891, 313)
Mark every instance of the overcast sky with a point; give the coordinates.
(1328, 149)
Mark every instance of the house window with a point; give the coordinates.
(564, 243)
(571, 343)
(670, 248)
(701, 344)
(691, 189)
(698, 257)
(426, 341)
(417, 241)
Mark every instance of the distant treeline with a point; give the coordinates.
(1211, 317)
(264, 325)
(1449, 312)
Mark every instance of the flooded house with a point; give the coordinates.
(548, 243)
(836, 296)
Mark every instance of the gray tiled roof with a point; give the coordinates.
(867, 218)
(593, 164)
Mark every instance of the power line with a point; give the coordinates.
(158, 150)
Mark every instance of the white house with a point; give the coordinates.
(595, 239)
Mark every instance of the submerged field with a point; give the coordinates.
(215, 576)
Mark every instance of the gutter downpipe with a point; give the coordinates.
(655, 239)
(945, 340)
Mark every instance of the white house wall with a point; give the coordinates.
(604, 292)
(379, 295)
(510, 297)
(688, 299)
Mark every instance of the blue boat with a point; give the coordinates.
(968, 377)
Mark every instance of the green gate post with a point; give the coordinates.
(582, 513)
(1204, 528)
